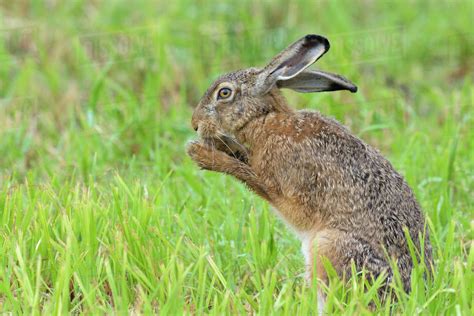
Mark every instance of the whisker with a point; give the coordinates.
(240, 146)
(225, 143)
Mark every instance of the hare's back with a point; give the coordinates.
(329, 165)
(380, 199)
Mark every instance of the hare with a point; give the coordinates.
(331, 188)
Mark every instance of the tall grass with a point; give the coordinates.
(100, 210)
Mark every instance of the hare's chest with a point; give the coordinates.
(296, 216)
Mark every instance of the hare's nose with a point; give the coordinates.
(195, 120)
(195, 125)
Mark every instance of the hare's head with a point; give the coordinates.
(236, 98)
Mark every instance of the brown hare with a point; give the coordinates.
(335, 191)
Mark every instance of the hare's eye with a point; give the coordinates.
(224, 93)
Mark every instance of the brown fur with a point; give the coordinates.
(328, 185)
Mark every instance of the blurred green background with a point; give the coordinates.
(100, 209)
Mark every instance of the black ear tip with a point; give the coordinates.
(312, 39)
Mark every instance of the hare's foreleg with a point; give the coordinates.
(212, 159)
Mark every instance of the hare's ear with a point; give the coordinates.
(292, 60)
(317, 81)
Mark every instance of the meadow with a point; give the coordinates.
(101, 212)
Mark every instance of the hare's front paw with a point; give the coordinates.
(206, 156)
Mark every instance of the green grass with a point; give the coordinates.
(102, 212)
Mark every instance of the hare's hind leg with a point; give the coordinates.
(341, 250)
(352, 249)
